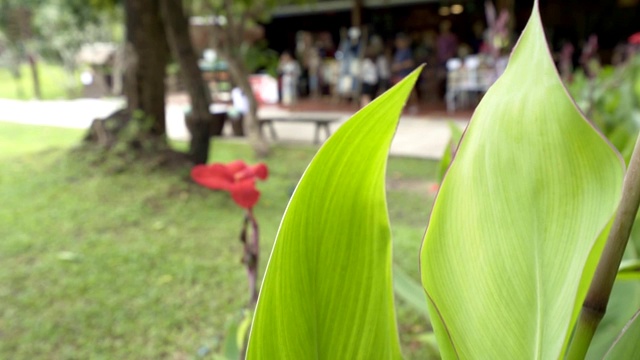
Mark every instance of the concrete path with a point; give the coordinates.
(423, 137)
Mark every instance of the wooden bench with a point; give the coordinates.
(320, 123)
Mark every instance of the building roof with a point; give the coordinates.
(339, 5)
(97, 53)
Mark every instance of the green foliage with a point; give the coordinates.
(103, 4)
(104, 265)
(410, 291)
(612, 101)
(627, 345)
(140, 123)
(52, 78)
(259, 57)
(235, 336)
(123, 265)
(63, 26)
(14, 20)
(53, 30)
(512, 244)
(16, 140)
(534, 186)
(83, 13)
(625, 301)
(327, 291)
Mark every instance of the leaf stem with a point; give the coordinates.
(595, 303)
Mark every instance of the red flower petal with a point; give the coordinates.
(212, 170)
(260, 170)
(214, 176)
(214, 183)
(236, 166)
(198, 171)
(235, 177)
(245, 194)
(244, 175)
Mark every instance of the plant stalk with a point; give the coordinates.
(595, 303)
(251, 252)
(250, 256)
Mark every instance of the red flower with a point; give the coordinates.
(634, 39)
(235, 177)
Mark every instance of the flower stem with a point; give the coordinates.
(253, 251)
(595, 303)
(250, 257)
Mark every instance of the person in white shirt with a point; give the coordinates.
(290, 70)
(384, 72)
(370, 78)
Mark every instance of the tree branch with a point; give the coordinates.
(231, 23)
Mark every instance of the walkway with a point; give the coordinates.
(420, 136)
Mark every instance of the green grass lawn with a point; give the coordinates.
(53, 82)
(143, 264)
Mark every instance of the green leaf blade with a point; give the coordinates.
(410, 291)
(522, 206)
(627, 345)
(624, 302)
(327, 292)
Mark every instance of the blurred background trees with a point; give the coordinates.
(154, 33)
(17, 39)
(63, 27)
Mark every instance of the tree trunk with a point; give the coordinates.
(141, 126)
(34, 76)
(177, 28)
(118, 70)
(241, 77)
(147, 55)
(17, 80)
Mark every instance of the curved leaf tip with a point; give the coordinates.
(327, 291)
(516, 226)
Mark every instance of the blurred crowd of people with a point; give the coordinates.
(588, 59)
(364, 64)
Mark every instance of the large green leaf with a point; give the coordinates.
(629, 270)
(327, 292)
(627, 345)
(518, 224)
(623, 303)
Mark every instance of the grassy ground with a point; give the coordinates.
(53, 81)
(98, 264)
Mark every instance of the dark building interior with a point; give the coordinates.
(565, 20)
